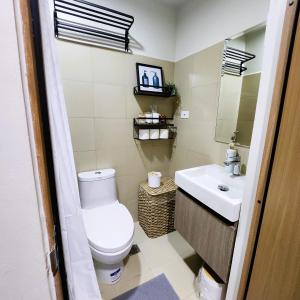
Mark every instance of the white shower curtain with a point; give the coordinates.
(81, 277)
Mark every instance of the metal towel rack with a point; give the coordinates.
(81, 20)
(233, 60)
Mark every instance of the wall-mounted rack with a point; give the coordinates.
(90, 23)
(158, 128)
(233, 60)
(166, 91)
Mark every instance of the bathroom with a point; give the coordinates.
(154, 144)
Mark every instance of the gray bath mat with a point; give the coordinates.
(157, 288)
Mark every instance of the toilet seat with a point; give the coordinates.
(109, 228)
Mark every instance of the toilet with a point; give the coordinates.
(108, 223)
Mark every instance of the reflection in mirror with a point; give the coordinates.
(241, 70)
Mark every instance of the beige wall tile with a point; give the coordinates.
(125, 160)
(85, 160)
(75, 61)
(204, 103)
(79, 98)
(110, 101)
(109, 66)
(207, 65)
(83, 134)
(113, 133)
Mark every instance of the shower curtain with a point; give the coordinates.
(81, 277)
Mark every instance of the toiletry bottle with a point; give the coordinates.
(145, 79)
(237, 169)
(155, 81)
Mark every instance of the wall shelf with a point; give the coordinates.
(166, 93)
(90, 23)
(154, 129)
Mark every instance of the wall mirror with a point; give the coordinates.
(240, 77)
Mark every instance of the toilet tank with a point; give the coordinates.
(97, 188)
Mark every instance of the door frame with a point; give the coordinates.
(286, 47)
(31, 56)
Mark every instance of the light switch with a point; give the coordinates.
(184, 114)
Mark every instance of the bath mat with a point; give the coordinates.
(157, 288)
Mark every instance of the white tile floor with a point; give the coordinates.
(169, 254)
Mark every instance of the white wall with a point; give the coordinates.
(201, 24)
(23, 273)
(255, 45)
(154, 26)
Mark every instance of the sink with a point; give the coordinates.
(215, 188)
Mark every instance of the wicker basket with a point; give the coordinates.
(156, 207)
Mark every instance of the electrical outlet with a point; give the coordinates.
(184, 114)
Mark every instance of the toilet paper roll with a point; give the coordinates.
(155, 117)
(154, 179)
(148, 115)
(154, 134)
(144, 134)
(164, 134)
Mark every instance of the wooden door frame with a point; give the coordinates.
(286, 46)
(38, 113)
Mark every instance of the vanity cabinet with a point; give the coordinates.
(210, 235)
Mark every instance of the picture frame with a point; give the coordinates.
(150, 79)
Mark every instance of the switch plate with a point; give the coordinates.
(184, 114)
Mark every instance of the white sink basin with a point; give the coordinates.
(202, 183)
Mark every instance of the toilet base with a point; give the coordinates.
(109, 274)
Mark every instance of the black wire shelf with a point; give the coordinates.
(83, 21)
(161, 128)
(234, 60)
(166, 91)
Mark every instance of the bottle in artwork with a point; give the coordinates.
(145, 79)
(155, 81)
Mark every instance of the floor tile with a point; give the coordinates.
(179, 275)
(192, 296)
(169, 254)
(158, 251)
(139, 234)
(135, 265)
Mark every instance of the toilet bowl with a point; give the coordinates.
(108, 224)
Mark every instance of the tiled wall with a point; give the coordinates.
(98, 86)
(198, 81)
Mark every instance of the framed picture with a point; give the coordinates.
(150, 78)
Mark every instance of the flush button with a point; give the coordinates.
(98, 172)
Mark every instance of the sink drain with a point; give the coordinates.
(223, 188)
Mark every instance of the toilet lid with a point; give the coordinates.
(109, 228)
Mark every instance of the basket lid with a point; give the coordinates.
(167, 185)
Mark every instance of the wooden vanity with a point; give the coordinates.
(211, 235)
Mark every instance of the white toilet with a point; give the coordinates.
(109, 225)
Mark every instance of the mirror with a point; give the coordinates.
(240, 77)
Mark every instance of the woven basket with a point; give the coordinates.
(156, 208)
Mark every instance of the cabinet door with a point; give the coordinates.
(210, 236)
